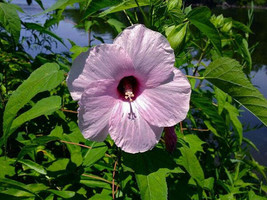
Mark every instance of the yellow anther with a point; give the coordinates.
(129, 95)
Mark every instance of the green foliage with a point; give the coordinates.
(43, 154)
(227, 74)
(10, 20)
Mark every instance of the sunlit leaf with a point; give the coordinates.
(10, 20)
(40, 108)
(92, 155)
(124, 6)
(32, 165)
(227, 74)
(45, 78)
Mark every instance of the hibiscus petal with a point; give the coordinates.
(77, 80)
(150, 52)
(96, 105)
(130, 131)
(107, 61)
(167, 104)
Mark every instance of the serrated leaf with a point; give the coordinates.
(47, 77)
(10, 20)
(32, 165)
(200, 17)
(226, 74)
(45, 106)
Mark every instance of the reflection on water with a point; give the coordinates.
(66, 31)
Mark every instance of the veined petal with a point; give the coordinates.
(107, 61)
(167, 104)
(150, 52)
(96, 105)
(130, 131)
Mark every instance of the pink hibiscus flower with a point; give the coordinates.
(129, 89)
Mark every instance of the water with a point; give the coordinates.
(259, 73)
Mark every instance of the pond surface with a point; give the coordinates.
(259, 73)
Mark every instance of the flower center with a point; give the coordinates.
(128, 87)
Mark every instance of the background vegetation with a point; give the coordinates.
(42, 152)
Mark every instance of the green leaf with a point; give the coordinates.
(100, 197)
(77, 50)
(119, 26)
(209, 110)
(227, 74)
(233, 114)
(97, 5)
(58, 165)
(32, 165)
(93, 155)
(63, 194)
(241, 26)
(45, 106)
(176, 35)
(150, 172)
(253, 196)
(190, 162)
(10, 20)
(95, 184)
(200, 17)
(14, 184)
(174, 4)
(6, 168)
(128, 4)
(221, 99)
(61, 4)
(47, 77)
(194, 142)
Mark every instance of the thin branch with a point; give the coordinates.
(181, 128)
(195, 129)
(82, 145)
(127, 16)
(113, 179)
(96, 177)
(70, 111)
